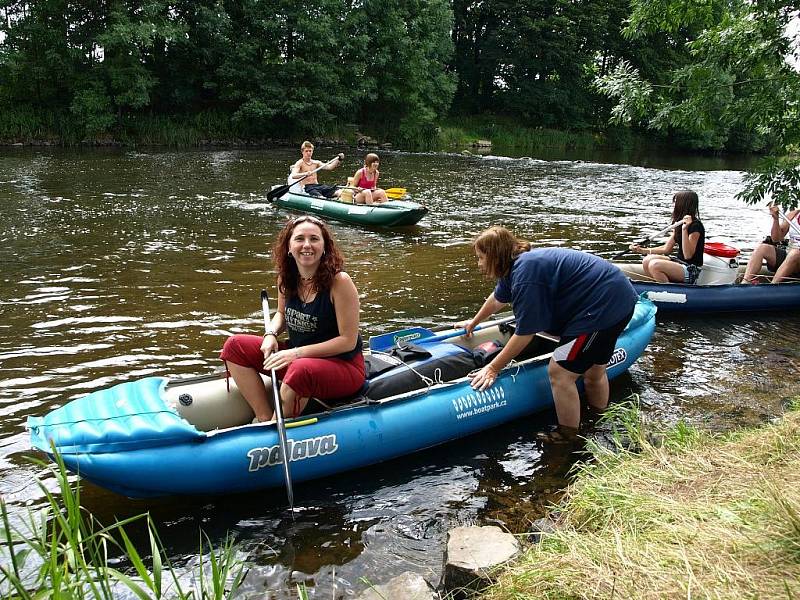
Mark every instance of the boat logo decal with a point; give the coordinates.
(318, 204)
(270, 456)
(359, 210)
(479, 403)
(671, 297)
(185, 399)
(619, 357)
(406, 338)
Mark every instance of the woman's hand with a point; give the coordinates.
(773, 210)
(282, 358)
(269, 345)
(687, 220)
(467, 326)
(638, 248)
(484, 378)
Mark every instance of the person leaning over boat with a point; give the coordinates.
(307, 164)
(578, 296)
(689, 237)
(783, 261)
(365, 182)
(319, 308)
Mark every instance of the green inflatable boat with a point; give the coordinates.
(395, 213)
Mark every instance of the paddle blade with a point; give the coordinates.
(396, 193)
(384, 341)
(278, 192)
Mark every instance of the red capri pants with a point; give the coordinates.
(323, 378)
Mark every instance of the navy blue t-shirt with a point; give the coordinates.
(565, 292)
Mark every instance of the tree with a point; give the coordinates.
(736, 85)
(401, 75)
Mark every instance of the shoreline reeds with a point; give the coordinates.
(695, 515)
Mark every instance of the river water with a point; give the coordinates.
(121, 264)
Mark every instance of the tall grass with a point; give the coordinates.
(506, 133)
(62, 552)
(699, 516)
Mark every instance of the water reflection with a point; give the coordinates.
(116, 265)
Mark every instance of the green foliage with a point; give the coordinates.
(91, 106)
(61, 552)
(404, 87)
(277, 68)
(736, 88)
(776, 179)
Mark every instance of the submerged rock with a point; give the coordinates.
(473, 553)
(407, 586)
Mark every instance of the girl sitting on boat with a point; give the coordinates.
(318, 307)
(365, 181)
(689, 237)
(783, 261)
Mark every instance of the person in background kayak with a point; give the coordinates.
(318, 306)
(310, 185)
(689, 237)
(365, 182)
(580, 297)
(783, 261)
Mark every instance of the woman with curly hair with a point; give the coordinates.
(318, 307)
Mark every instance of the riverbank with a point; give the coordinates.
(214, 128)
(696, 515)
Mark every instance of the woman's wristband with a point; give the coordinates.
(271, 332)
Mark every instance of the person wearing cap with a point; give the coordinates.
(580, 297)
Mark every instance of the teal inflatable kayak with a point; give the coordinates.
(395, 213)
(158, 436)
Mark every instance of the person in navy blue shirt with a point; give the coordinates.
(580, 297)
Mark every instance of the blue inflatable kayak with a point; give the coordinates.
(154, 436)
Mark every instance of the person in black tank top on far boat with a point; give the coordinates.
(689, 237)
(318, 307)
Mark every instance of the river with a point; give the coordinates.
(121, 264)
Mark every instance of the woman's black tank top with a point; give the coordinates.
(314, 322)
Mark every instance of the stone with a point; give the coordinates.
(539, 528)
(482, 144)
(406, 586)
(473, 553)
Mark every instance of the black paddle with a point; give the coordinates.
(647, 239)
(282, 189)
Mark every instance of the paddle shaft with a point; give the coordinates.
(284, 443)
(460, 332)
(384, 341)
(280, 191)
(791, 225)
(648, 239)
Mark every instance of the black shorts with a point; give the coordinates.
(580, 353)
(780, 255)
(320, 189)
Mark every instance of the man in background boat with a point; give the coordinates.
(580, 297)
(310, 184)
